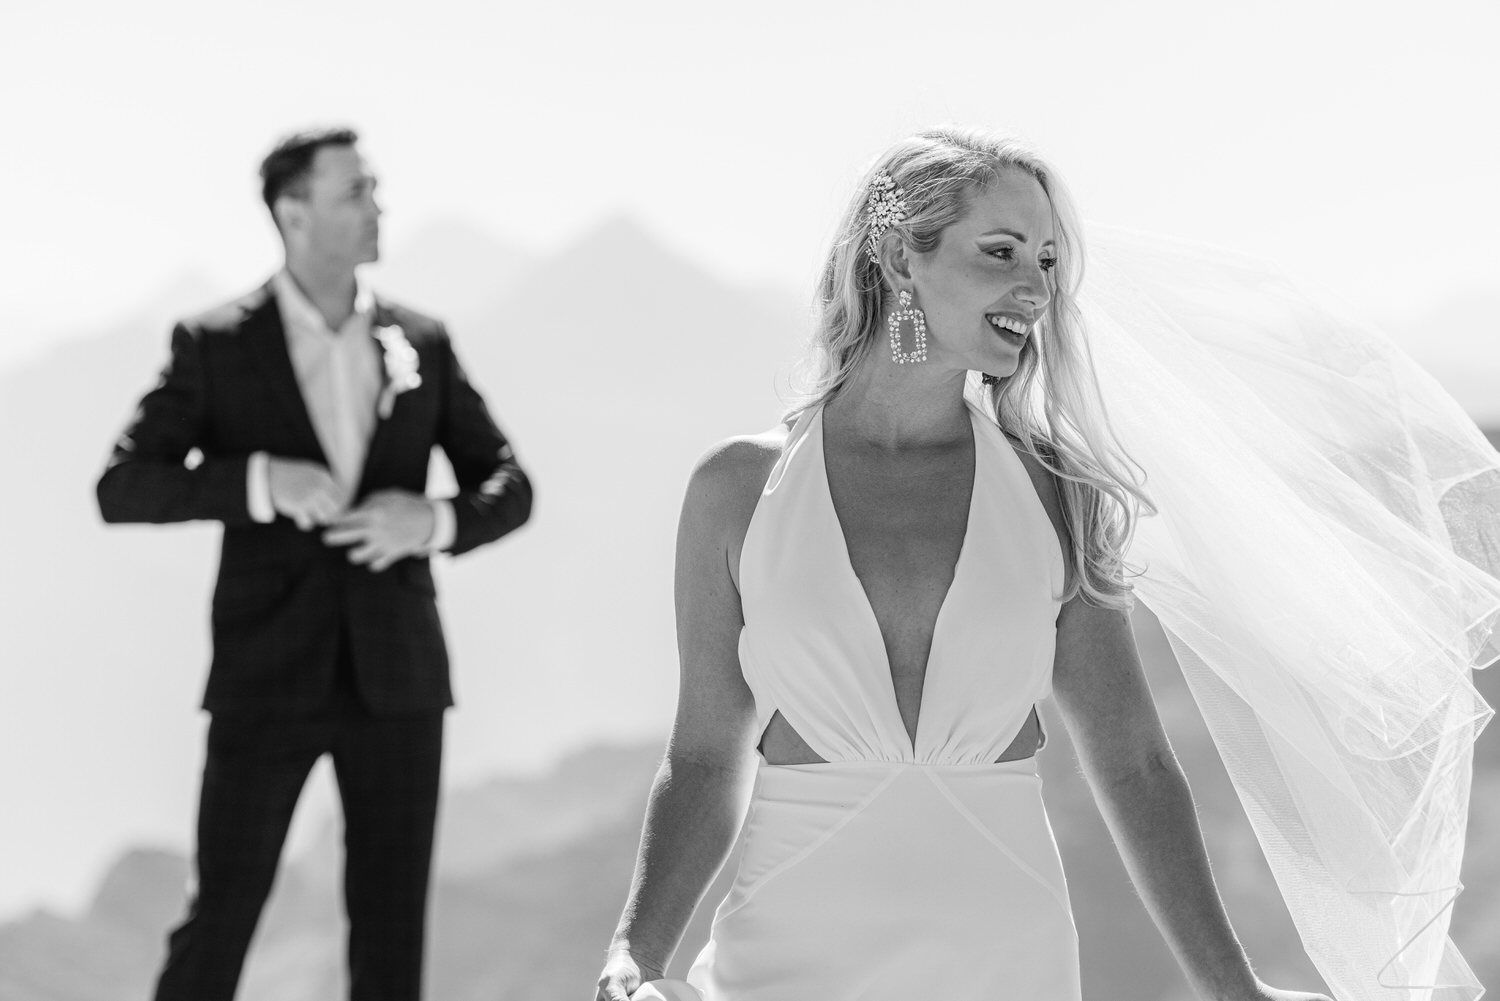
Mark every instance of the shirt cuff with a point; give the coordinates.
(258, 488)
(444, 527)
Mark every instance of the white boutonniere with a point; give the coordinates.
(401, 364)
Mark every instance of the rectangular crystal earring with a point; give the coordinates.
(918, 319)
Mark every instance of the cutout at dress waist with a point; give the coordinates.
(788, 743)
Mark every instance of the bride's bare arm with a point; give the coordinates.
(697, 800)
(1101, 691)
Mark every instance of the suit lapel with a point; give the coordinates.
(265, 338)
(380, 440)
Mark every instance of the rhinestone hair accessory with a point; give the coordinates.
(886, 207)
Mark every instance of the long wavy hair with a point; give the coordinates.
(1050, 406)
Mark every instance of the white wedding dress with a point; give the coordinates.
(894, 871)
(1326, 563)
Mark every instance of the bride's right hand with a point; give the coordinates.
(623, 974)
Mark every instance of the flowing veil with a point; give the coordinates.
(1325, 564)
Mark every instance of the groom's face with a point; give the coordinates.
(339, 220)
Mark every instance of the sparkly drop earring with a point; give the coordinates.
(918, 352)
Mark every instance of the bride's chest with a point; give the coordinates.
(903, 534)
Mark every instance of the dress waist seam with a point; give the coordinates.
(1026, 765)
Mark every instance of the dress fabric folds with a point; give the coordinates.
(896, 868)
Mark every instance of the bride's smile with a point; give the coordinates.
(989, 278)
(876, 594)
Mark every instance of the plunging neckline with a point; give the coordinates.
(869, 607)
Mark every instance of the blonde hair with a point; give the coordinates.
(1050, 406)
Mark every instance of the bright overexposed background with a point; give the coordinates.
(1352, 143)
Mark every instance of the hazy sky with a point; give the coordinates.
(1354, 143)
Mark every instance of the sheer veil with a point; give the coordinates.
(1325, 564)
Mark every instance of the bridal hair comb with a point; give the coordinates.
(885, 208)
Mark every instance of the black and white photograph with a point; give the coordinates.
(655, 501)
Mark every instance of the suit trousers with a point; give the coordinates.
(387, 769)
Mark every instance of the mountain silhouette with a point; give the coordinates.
(612, 364)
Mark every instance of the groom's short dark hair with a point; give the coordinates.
(285, 168)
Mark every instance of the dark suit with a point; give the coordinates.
(312, 654)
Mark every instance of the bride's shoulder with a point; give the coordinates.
(1044, 481)
(1042, 478)
(722, 494)
(734, 471)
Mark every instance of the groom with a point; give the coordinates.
(302, 417)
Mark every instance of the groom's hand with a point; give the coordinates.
(386, 527)
(303, 491)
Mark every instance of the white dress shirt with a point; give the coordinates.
(340, 373)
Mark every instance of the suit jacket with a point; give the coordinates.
(283, 596)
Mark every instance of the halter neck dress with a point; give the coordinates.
(895, 868)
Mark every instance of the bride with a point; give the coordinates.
(875, 595)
